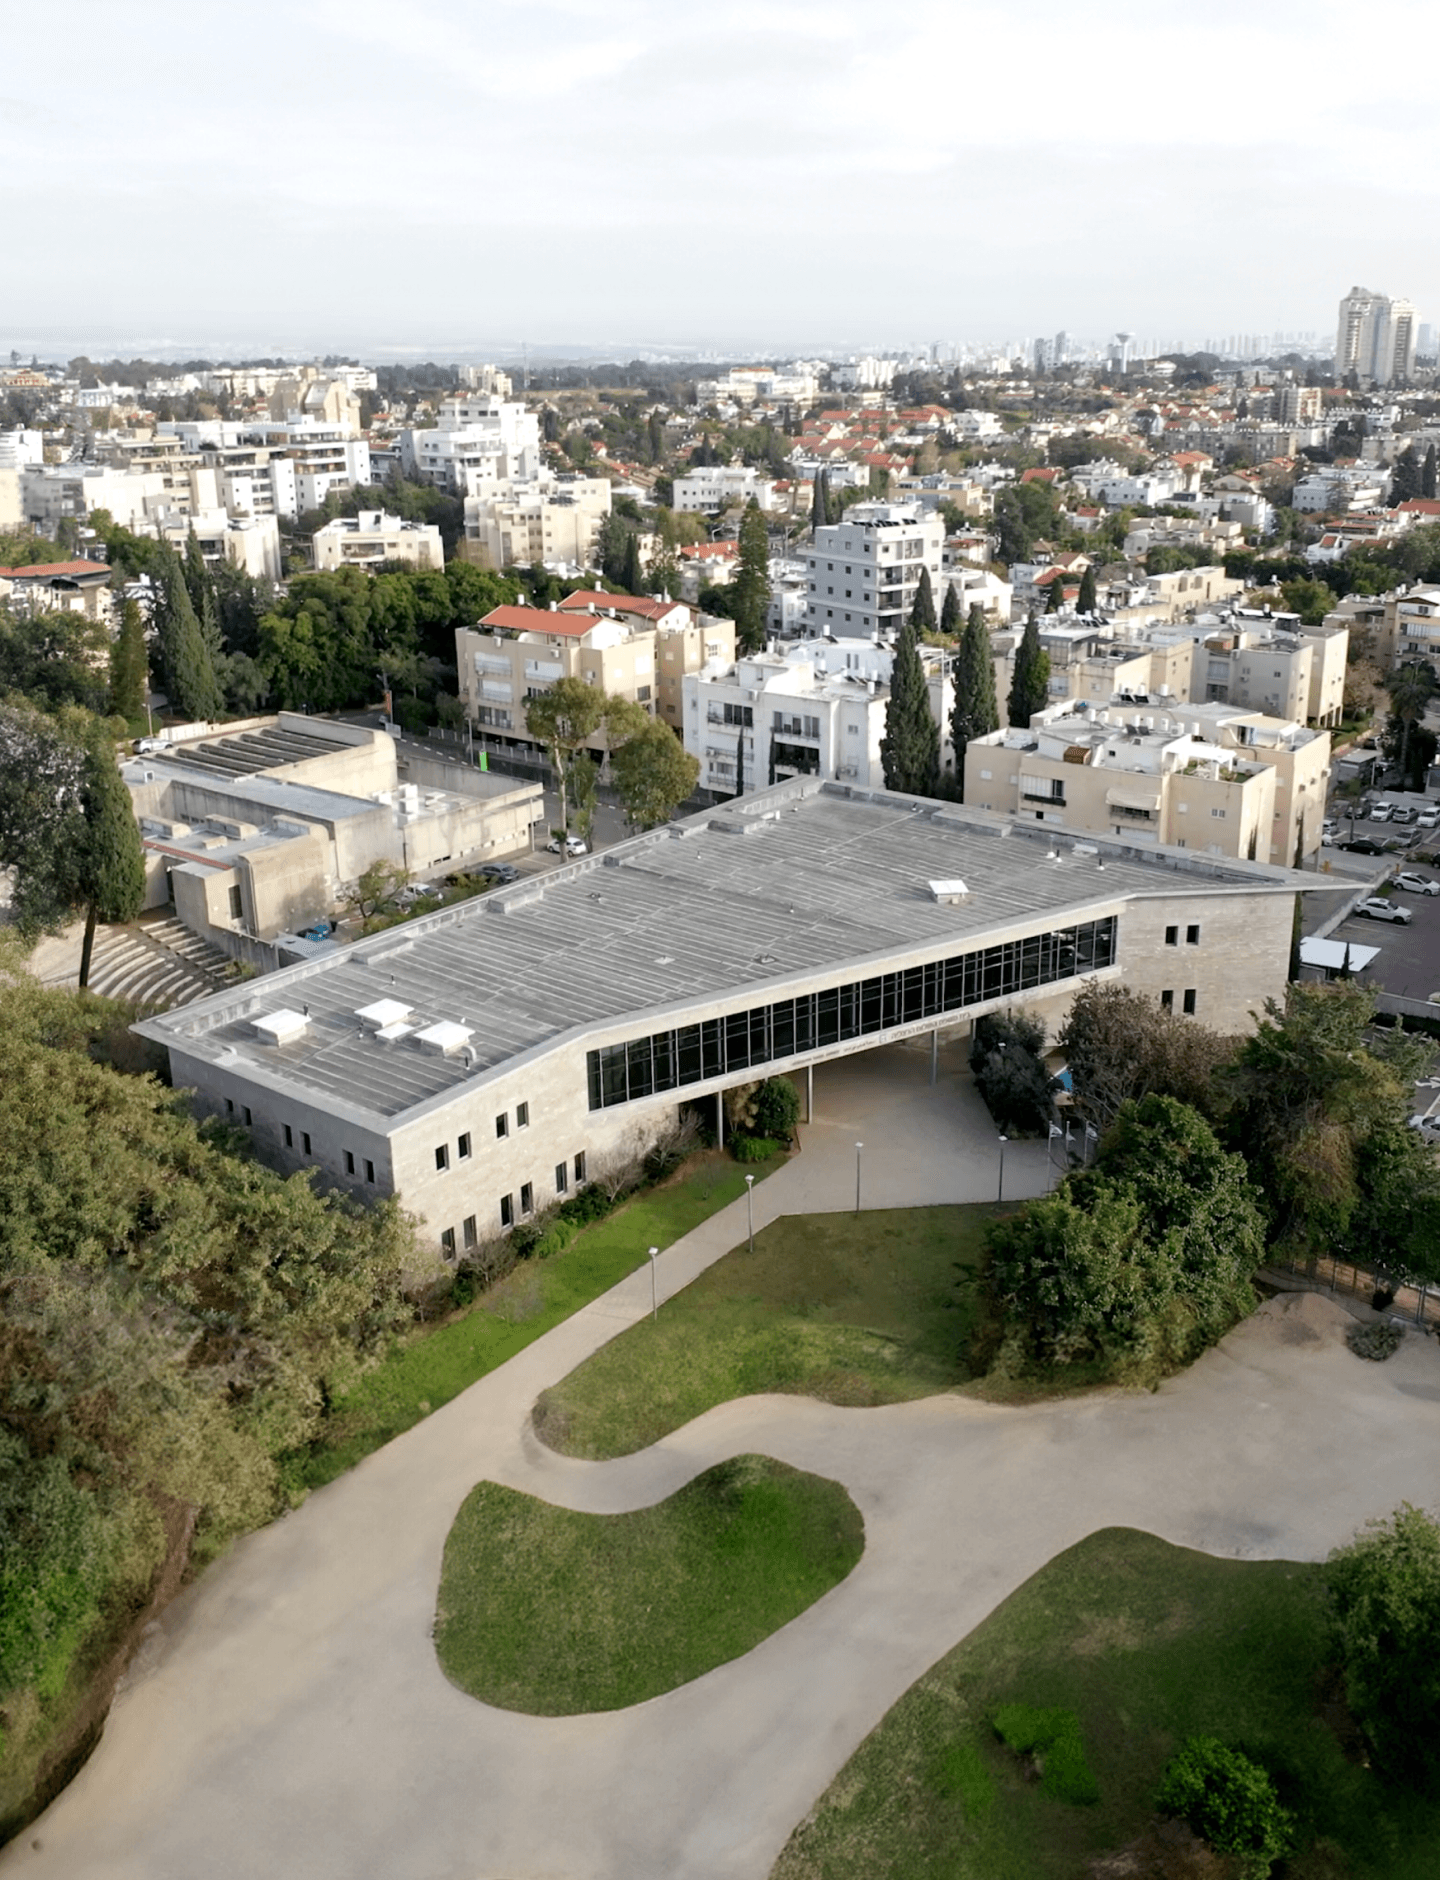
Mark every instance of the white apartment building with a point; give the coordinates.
(749, 385)
(480, 440)
(1376, 337)
(720, 486)
(372, 537)
(1340, 490)
(815, 709)
(865, 569)
(552, 520)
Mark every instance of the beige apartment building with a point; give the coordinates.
(1406, 623)
(686, 640)
(372, 537)
(516, 525)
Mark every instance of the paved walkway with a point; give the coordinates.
(289, 1718)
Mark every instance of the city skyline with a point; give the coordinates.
(462, 180)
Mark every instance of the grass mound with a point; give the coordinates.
(1145, 1646)
(853, 1309)
(1052, 1739)
(555, 1613)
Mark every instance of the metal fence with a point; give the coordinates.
(1417, 1303)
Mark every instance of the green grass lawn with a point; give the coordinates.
(556, 1613)
(854, 1309)
(435, 1363)
(1146, 1644)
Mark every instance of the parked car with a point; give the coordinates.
(1382, 812)
(498, 872)
(1428, 1127)
(1417, 884)
(1429, 818)
(1376, 907)
(1364, 845)
(1405, 813)
(572, 846)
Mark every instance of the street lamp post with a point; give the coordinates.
(750, 1207)
(654, 1302)
(1000, 1191)
(858, 1147)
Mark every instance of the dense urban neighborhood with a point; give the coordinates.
(719, 1111)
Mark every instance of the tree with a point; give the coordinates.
(375, 895)
(1055, 594)
(129, 665)
(1406, 477)
(653, 772)
(565, 718)
(1120, 1046)
(1384, 1590)
(1134, 1265)
(922, 613)
(1411, 688)
(776, 1109)
(109, 862)
(1428, 475)
(1087, 601)
(583, 775)
(186, 664)
(632, 576)
(41, 780)
(910, 748)
(820, 501)
(750, 585)
(53, 659)
(950, 613)
(1030, 686)
(974, 712)
(611, 548)
(1229, 1800)
(1006, 1059)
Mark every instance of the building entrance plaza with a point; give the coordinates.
(289, 1715)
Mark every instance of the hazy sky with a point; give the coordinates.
(454, 175)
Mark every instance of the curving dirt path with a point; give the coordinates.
(289, 1718)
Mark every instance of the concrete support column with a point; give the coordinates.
(720, 1119)
(934, 1054)
(809, 1093)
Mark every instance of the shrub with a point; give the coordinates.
(526, 1238)
(556, 1238)
(777, 1109)
(1229, 1801)
(1052, 1737)
(1377, 1342)
(1010, 1074)
(1385, 1598)
(590, 1204)
(753, 1148)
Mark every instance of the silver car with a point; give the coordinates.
(1376, 907)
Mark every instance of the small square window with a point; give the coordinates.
(1189, 1000)
(468, 1230)
(447, 1243)
(507, 1210)
(1167, 1001)
(580, 1168)
(562, 1178)
(1172, 936)
(289, 1137)
(1192, 936)
(522, 1115)
(527, 1197)
(462, 1148)
(502, 1124)
(305, 1140)
(349, 1163)
(442, 1156)
(370, 1173)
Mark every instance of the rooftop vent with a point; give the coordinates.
(445, 1038)
(382, 1013)
(282, 1027)
(949, 893)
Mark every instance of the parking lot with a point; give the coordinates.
(1409, 962)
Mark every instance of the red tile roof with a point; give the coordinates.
(1419, 506)
(644, 606)
(538, 620)
(708, 551)
(51, 570)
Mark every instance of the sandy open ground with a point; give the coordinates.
(288, 1718)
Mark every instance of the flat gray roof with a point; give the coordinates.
(803, 879)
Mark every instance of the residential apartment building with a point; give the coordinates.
(721, 486)
(864, 570)
(1376, 338)
(685, 639)
(478, 442)
(371, 537)
(72, 587)
(516, 653)
(550, 521)
(1408, 626)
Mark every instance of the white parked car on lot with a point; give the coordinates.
(1416, 884)
(1376, 907)
(572, 846)
(1428, 1126)
(1382, 812)
(1429, 818)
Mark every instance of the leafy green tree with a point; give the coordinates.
(1087, 601)
(776, 1109)
(1009, 1070)
(910, 748)
(374, 896)
(922, 613)
(1134, 1265)
(1411, 688)
(1030, 684)
(564, 719)
(583, 776)
(632, 577)
(129, 665)
(653, 772)
(53, 659)
(1406, 477)
(186, 664)
(1312, 600)
(1120, 1046)
(974, 712)
(1427, 475)
(750, 586)
(1054, 595)
(611, 547)
(108, 864)
(950, 613)
(1384, 1590)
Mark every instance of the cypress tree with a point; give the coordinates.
(751, 585)
(910, 749)
(974, 712)
(820, 501)
(632, 576)
(129, 665)
(1055, 594)
(110, 866)
(1407, 477)
(1088, 600)
(922, 614)
(185, 661)
(197, 575)
(1427, 474)
(950, 613)
(1030, 687)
